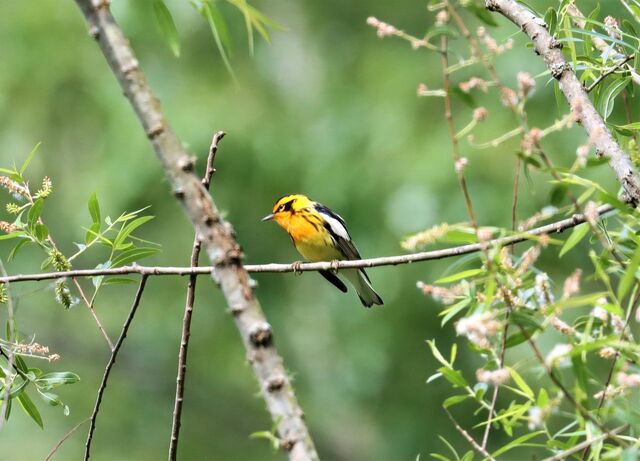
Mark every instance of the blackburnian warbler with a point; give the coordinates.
(319, 234)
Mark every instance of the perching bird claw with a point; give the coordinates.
(296, 267)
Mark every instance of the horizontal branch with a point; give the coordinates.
(555, 227)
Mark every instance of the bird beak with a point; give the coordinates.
(268, 217)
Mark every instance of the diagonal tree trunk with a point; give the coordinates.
(217, 235)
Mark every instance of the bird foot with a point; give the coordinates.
(296, 267)
(334, 265)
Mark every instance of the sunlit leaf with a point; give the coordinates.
(167, 26)
(576, 236)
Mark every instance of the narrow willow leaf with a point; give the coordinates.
(211, 17)
(453, 376)
(629, 275)
(515, 443)
(54, 379)
(607, 100)
(50, 398)
(451, 401)
(29, 408)
(576, 236)
(167, 26)
(128, 229)
(134, 254)
(460, 275)
(436, 353)
(34, 213)
(41, 232)
(94, 209)
(521, 383)
(29, 157)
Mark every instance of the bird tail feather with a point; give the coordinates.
(361, 283)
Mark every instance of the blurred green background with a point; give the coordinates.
(329, 110)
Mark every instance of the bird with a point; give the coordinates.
(319, 234)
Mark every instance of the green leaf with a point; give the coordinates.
(20, 364)
(94, 209)
(515, 443)
(460, 275)
(128, 229)
(608, 96)
(50, 398)
(629, 275)
(519, 337)
(54, 379)
(94, 233)
(453, 376)
(436, 353)
(521, 383)
(12, 235)
(17, 248)
(119, 281)
(480, 12)
(34, 213)
(29, 408)
(453, 400)
(41, 232)
(551, 19)
(215, 20)
(452, 311)
(465, 97)
(576, 236)
(29, 157)
(133, 254)
(543, 398)
(167, 26)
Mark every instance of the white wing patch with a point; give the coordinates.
(336, 227)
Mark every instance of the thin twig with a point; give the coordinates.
(468, 438)
(448, 114)
(630, 315)
(552, 228)
(496, 389)
(64, 439)
(112, 361)
(586, 444)
(188, 311)
(568, 395)
(609, 72)
(218, 239)
(92, 311)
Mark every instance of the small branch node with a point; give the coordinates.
(288, 444)
(275, 383)
(94, 32)
(154, 131)
(236, 309)
(179, 193)
(187, 163)
(557, 69)
(261, 335)
(130, 67)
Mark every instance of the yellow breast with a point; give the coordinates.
(311, 239)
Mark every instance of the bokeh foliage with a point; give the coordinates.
(326, 109)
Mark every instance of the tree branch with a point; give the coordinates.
(112, 361)
(188, 311)
(216, 235)
(581, 106)
(468, 438)
(555, 227)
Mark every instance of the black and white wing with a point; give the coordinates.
(336, 226)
